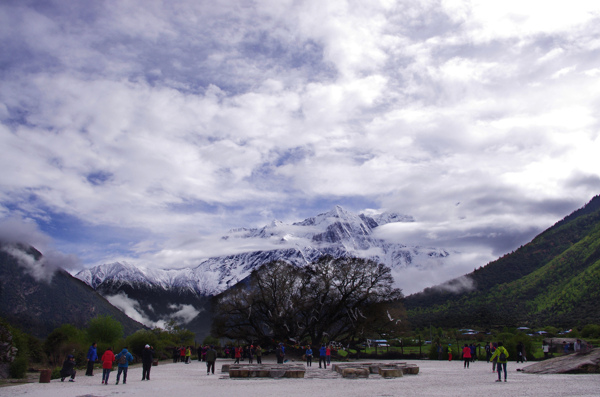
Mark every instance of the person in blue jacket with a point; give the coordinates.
(322, 356)
(309, 354)
(92, 357)
(123, 359)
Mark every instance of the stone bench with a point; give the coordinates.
(386, 370)
(265, 370)
(391, 372)
(355, 372)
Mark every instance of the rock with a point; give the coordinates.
(355, 372)
(264, 370)
(238, 373)
(277, 373)
(292, 373)
(410, 369)
(579, 363)
(391, 372)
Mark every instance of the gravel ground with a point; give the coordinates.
(436, 378)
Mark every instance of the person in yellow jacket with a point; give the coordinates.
(502, 355)
(188, 354)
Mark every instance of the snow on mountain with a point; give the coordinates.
(337, 233)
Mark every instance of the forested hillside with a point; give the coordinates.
(553, 280)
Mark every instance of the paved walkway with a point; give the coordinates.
(435, 378)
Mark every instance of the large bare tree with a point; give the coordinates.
(329, 299)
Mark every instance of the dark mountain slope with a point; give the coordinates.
(37, 306)
(551, 280)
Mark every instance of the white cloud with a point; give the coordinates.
(183, 314)
(167, 124)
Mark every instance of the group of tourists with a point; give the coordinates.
(182, 354)
(324, 356)
(249, 352)
(123, 359)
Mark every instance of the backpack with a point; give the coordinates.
(502, 357)
(123, 359)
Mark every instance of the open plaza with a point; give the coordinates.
(435, 378)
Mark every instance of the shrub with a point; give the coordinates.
(139, 339)
(104, 330)
(55, 373)
(18, 368)
(591, 331)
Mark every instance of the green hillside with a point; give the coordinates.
(553, 280)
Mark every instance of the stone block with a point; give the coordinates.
(410, 369)
(238, 373)
(294, 373)
(355, 372)
(391, 372)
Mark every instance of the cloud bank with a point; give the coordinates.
(141, 131)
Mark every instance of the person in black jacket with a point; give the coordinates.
(68, 369)
(147, 359)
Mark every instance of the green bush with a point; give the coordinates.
(104, 330)
(591, 331)
(55, 373)
(139, 339)
(18, 368)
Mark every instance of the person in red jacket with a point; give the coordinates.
(108, 358)
(238, 355)
(466, 355)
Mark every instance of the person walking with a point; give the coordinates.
(211, 357)
(188, 354)
(466, 356)
(309, 356)
(520, 352)
(250, 354)
(108, 358)
(92, 357)
(501, 354)
(68, 369)
(147, 359)
(449, 352)
(238, 354)
(493, 359)
(322, 356)
(328, 354)
(280, 353)
(123, 360)
(258, 354)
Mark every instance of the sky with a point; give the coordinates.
(141, 131)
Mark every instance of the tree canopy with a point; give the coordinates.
(330, 299)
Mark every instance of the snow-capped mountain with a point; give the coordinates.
(156, 296)
(337, 233)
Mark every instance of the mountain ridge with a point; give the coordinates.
(336, 233)
(552, 280)
(37, 298)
